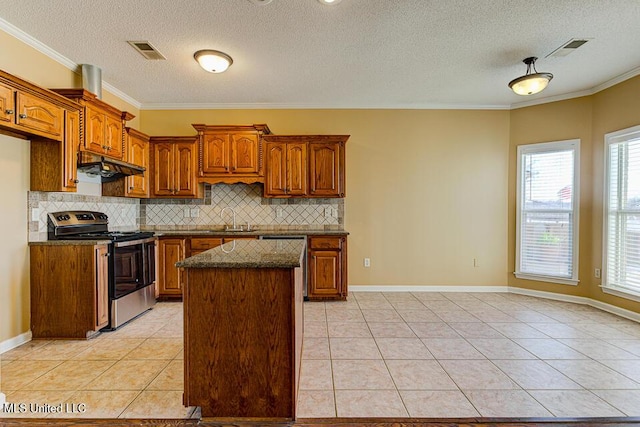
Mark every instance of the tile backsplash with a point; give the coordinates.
(249, 206)
(177, 214)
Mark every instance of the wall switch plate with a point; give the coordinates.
(278, 212)
(186, 212)
(367, 262)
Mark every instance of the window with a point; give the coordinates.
(622, 212)
(547, 212)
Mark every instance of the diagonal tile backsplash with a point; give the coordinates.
(179, 214)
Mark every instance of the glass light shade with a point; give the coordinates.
(213, 61)
(530, 84)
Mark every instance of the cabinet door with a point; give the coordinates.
(215, 154)
(170, 279)
(326, 174)
(138, 154)
(38, 114)
(102, 285)
(71, 144)
(113, 137)
(95, 131)
(185, 165)
(297, 169)
(163, 169)
(7, 104)
(325, 274)
(275, 180)
(244, 154)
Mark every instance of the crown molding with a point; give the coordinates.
(275, 106)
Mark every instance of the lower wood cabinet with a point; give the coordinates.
(170, 279)
(327, 272)
(69, 290)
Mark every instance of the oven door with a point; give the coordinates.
(131, 266)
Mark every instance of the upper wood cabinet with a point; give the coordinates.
(286, 171)
(28, 110)
(230, 154)
(136, 151)
(305, 165)
(173, 167)
(103, 124)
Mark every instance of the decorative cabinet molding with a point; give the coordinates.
(173, 167)
(230, 154)
(305, 165)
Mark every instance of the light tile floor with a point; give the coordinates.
(433, 355)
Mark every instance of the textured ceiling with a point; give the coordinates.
(356, 54)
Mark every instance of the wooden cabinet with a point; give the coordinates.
(170, 279)
(305, 165)
(327, 273)
(29, 112)
(230, 154)
(286, 170)
(69, 290)
(201, 244)
(136, 151)
(103, 124)
(173, 167)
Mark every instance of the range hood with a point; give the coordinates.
(108, 169)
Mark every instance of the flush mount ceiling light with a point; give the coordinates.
(329, 1)
(532, 82)
(213, 61)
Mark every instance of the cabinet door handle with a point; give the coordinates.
(131, 188)
(107, 254)
(8, 112)
(22, 116)
(75, 181)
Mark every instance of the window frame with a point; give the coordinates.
(548, 147)
(622, 135)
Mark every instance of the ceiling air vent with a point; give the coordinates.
(147, 50)
(568, 47)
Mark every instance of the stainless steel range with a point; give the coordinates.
(132, 261)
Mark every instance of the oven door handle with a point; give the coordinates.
(134, 242)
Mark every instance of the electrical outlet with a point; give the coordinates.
(476, 263)
(35, 214)
(327, 212)
(195, 212)
(278, 212)
(597, 273)
(367, 262)
(186, 213)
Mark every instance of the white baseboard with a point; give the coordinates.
(628, 314)
(14, 342)
(427, 288)
(622, 312)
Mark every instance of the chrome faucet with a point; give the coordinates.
(234, 227)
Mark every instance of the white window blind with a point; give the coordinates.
(547, 208)
(622, 211)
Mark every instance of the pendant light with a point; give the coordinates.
(213, 61)
(532, 82)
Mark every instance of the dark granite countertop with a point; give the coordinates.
(256, 232)
(249, 254)
(70, 242)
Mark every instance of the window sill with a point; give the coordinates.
(549, 279)
(621, 292)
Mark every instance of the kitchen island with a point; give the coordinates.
(243, 323)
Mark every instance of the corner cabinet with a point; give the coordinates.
(51, 122)
(69, 290)
(305, 166)
(230, 154)
(174, 167)
(136, 151)
(327, 274)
